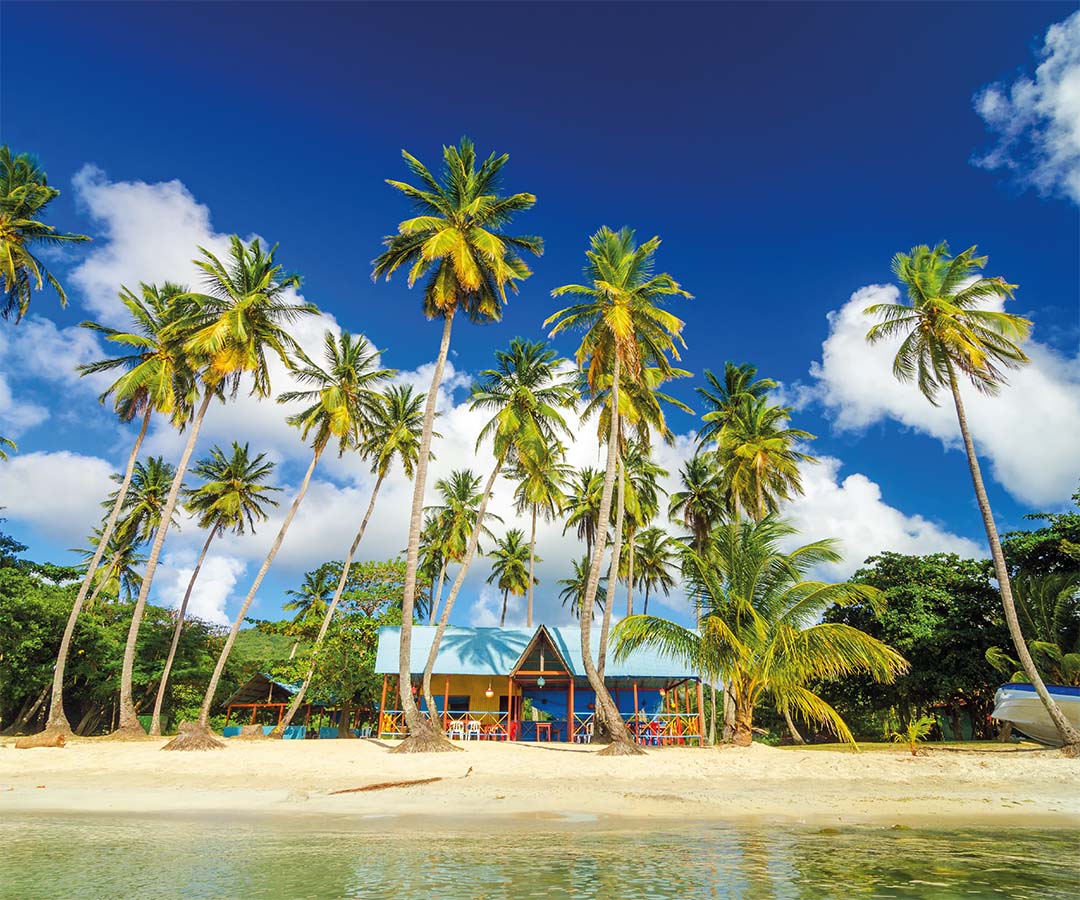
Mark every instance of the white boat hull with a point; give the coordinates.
(1018, 704)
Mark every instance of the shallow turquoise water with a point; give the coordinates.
(94, 858)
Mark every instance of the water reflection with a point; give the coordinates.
(156, 859)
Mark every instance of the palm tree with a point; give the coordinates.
(642, 504)
(5, 445)
(948, 334)
(510, 569)
(539, 492)
(759, 465)
(740, 385)
(573, 591)
(700, 503)
(528, 392)
(452, 523)
(393, 431)
(760, 627)
(119, 574)
(584, 490)
(244, 316)
(310, 602)
(144, 501)
(233, 498)
(1049, 611)
(340, 398)
(155, 378)
(657, 560)
(24, 195)
(457, 246)
(626, 330)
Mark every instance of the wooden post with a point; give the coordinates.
(637, 720)
(446, 704)
(701, 713)
(570, 710)
(382, 706)
(228, 712)
(509, 704)
(307, 716)
(280, 712)
(253, 708)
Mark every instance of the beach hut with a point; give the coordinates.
(529, 684)
(260, 694)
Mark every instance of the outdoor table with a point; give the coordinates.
(545, 729)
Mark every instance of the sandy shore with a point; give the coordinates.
(754, 785)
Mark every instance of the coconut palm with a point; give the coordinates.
(657, 561)
(232, 497)
(584, 489)
(740, 385)
(6, 444)
(700, 503)
(452, 523)
(527, 391)
(393, 431)
(510, 568)
(538, 492)
(573, 591)
(155, 379)
(760, 627)
(230, 331)
(118, 575)
(1049, 610)
(24, 195)
(626, 332)
(457, 247)
(758, 462)
(338, 399)
(949, 334)
(144, 501)
(311, 601)
(642, 505)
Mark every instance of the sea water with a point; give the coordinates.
(157, 858)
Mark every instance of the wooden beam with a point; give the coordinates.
(701, 714)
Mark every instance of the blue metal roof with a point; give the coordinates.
(465, 650)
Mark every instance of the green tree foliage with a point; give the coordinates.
(942, 613)
(1047, 550)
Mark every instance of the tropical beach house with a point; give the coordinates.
(263, 699)
(529, 684)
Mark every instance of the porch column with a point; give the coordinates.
(509, 704)
(253, 708)
(570, 711)
(228, 712)
(701, 713)
(382, 706)
(280, 712)
(446, 703)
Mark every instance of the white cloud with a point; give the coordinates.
(1037, 121)
(57, 493)
(1030, 432)
(213, 588)
(15, 416)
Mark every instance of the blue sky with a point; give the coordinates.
(783, 152)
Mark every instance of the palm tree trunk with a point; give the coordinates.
(298, 700)
(437, 596)
(502, 618)
(423, 736)
(743, 730)
(129, 719)
(155, 722)
(613, 572)
(795, 736)
(712, 717)
(532, 565)
(630, 576)
(459, 580)
(1069, 735)
(57, 719)
(622, 742)
(645, 609)
(200, 738)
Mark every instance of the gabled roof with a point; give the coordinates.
(259, 687)
(555, 662)
(467, 650)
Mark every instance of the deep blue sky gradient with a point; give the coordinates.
(783, 151)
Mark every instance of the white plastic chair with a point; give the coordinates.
(457, 730)
(585, 735)
(473, 734)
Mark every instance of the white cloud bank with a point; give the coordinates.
(58, 493)
(1037, 120)
(1030, 432)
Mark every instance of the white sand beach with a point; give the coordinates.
(756, 784)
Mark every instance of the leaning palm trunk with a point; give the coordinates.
(795, 736)
(455, 588)
(423, 736)
(630, 576)
(437, 595)
(199, 737)
(622, 743)
(155, 721)
(613, 571)
(532, 565)
(57, 719)
(1070, 737)
(129, 719)
(299, 698)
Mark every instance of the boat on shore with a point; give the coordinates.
(1018, 704)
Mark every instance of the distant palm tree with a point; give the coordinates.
(233, 498)
(118, 576)
(452, 523)
(144, 500)
(700, 503)
(230, 331)
(948, 334)
(1049, 610)
(740, 386)
(584, 490)
(626, 332)
(759, 465)
(573, 591)
(642, 504)
(761, 628)
(657, 562)
(457, 246)
(393, 431)
(5, 445)
(510, 569)
(340, 397)
(24, 195)
(311, 601)
(539, 493)
(527, 392)
(155, 379)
